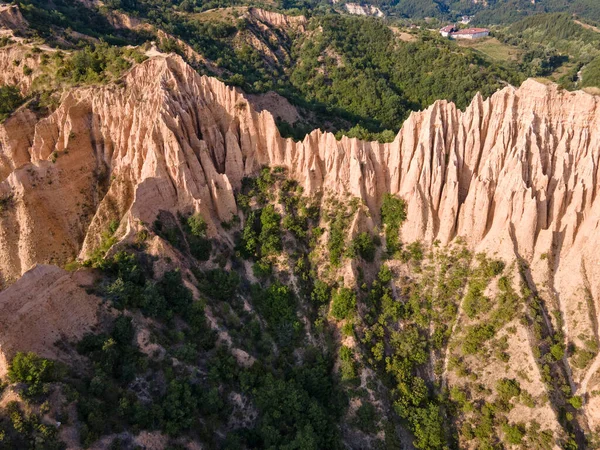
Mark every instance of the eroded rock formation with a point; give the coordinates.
(11, 19)
(514, 175)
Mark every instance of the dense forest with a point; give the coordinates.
(360, 67)
(489, 12)
(350, 75)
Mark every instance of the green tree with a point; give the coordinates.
(33, 370)
(270, 233)
(514, 433)
(10, 99)
(344, 303)
(393, 214)
(363, 245)
(508, 388)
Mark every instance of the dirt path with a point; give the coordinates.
(587, 26)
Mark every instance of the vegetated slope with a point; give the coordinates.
(556, 42)
(361, 68)
(512, 177)
(503, 11)
(488, 12)
(309, 62)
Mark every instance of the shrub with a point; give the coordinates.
(514, 433)
(494, 268)
(270, 233)
(414, 252)
(347, 368)
(10, 99)
(557, 352)
(582, 357)
(321, 293)
(475, 337)
(33, 370)
(336, 241)
(576, 402)
(507, 389)
(178, 297)
(366, 418)
(277, 305)
(249, 241)
(114, 354)
(393, 214)
(262, 268)
(200, 246)
(363, 245)
(218, 283)
(344, 303)
(197, 225)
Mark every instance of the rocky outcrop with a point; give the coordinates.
(279, 106)
(11, 19)
(363, 10)
(19, 66)
(277, 20)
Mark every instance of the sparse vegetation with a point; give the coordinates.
(6, 202)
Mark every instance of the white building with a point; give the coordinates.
(470, 33)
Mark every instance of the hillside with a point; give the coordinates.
(334, 86)
(177, 272)
(169, 143)
(567, 45)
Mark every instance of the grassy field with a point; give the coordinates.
(492, 48)
(220, 14)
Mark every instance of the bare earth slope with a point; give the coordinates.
(514, 175)
(46, 305)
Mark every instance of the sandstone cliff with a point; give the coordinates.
(514, 173)
(11, 20)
